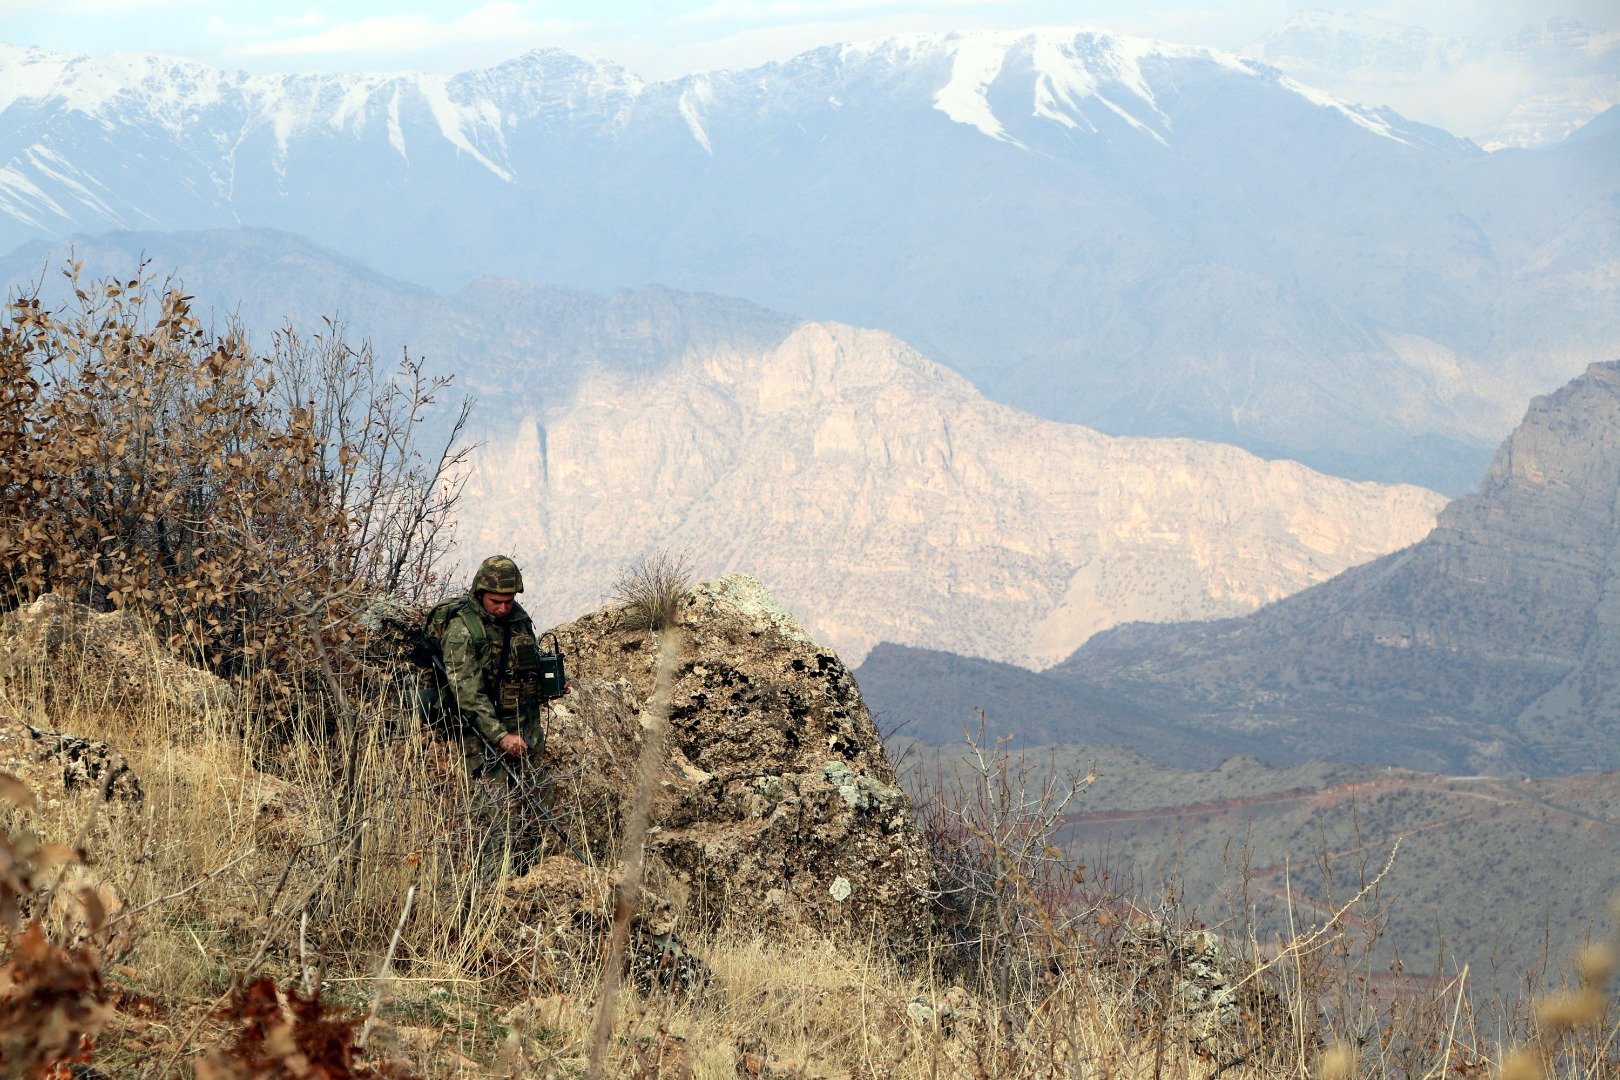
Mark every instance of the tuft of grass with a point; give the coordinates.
(653, 588)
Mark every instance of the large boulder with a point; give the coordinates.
(774, 803)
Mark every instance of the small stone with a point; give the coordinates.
(840, 889)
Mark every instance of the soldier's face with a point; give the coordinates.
(499, 604)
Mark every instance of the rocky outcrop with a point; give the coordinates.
(1491, 646)
(887, 500)
(775, 804)
(53, 637)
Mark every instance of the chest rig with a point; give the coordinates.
(522, 674)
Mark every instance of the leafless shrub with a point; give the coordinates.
(1008, 895)
(653, 587)
(232, 500)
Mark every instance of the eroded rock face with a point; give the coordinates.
(885, 499)
(774, 802)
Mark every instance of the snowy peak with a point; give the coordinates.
(1083, 79)
(162, 85)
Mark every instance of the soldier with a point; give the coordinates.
(491, 671)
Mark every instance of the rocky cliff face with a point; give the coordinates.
(1494, 644)
(885, 499)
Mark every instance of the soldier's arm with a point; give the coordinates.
(466, 676)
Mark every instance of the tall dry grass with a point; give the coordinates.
(252, 857)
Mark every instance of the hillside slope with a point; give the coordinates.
(1504, 875)
(1491, 645)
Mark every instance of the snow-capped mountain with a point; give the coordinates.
(1528, 89)
(1142, 237)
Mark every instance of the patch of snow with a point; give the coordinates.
(14, 184)
(451, 119)
(977, 62)
(396, 134)
(1356, 114)
(49, 163)
(351, 108)
(694, 98)
(1063, 79)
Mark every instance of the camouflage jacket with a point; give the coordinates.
(493, 698)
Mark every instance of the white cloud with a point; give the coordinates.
(495, 25)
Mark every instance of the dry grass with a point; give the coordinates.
(248, 859)
(652, 589)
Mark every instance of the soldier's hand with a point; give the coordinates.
(514, 744)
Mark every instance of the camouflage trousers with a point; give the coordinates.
(511, 802)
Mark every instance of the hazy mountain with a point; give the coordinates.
(513, 345)
(934, 697)
(1144, 238)
(886, 499)
(1531, 88)
(879, 493)
(1492, 645)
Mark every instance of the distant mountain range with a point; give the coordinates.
(878, 492)
(885, 498)
(1144, 238)
(1490, 646)
(1528, 89)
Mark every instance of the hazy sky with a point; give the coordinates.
(655, 38)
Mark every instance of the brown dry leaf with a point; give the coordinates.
(50, 855)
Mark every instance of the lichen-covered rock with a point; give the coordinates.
(88, 765)
(775, 803)
(1191, 982)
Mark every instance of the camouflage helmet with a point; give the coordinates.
(498, 574)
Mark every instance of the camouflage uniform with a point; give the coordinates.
(493, 699)
(491, 669)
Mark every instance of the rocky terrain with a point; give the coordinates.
(888, 500)
(1492, 645)
(776, 805)
(789, 928)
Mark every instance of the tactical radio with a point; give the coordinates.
(553, 680)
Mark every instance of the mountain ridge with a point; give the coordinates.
(1488, 646)
(1141, 238)
(887, 498)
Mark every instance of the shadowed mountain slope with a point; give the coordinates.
(1492, 645)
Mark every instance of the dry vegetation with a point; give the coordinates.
(250, 889)
(341, 903)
